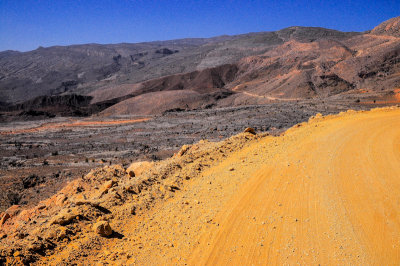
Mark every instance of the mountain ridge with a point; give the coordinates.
(316, 62)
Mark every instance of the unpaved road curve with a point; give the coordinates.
(325, 192)
(331, 197)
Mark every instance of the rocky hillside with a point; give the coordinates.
(291, 64)
(390, 27)
(84, 68)
(85, 206)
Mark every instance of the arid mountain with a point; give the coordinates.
(84, 68)
(361, 66)
(390, 27)
(291, 64)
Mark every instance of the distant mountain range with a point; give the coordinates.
(295, 63)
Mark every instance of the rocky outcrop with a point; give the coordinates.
(43, 107)
(95, 205)
(390, 27)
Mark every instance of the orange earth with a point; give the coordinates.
(327, 192)
(324, 192)
(331, 196)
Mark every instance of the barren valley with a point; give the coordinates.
(39, 157)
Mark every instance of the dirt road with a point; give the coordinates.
(326, 192)
(330, 197)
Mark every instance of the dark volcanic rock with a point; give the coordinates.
(51, 106)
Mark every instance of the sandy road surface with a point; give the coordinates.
(330, 197)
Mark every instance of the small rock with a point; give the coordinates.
(136, 169)
(102, 228)
(62, 233)
(66, 216)
(41, 207)
(250, 130)
(133, 209)
(5, 217)
(35, 246)
(17, 254)
(61, 199)
(183, 150)
(109, 184)
(80, 202)
(135, 188)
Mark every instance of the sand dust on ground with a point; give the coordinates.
(324, 192)
(329, 195)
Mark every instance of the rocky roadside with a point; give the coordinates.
(80, 218)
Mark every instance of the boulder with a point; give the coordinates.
(4, 218)
(137, 168)
(102, 228)
(134, 188)
(250, 130)
(66, 216)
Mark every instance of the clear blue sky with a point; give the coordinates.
(27, 24)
